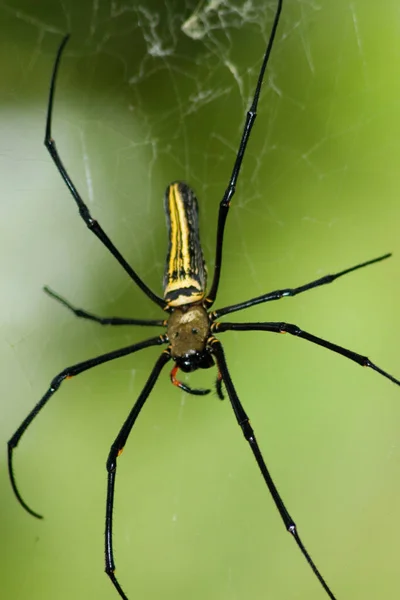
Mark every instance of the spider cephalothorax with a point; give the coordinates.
(188, 330)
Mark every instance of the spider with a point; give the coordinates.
(191, 325)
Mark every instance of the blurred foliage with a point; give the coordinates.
(142, 102)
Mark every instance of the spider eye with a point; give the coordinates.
(176, 334)
(195, 331)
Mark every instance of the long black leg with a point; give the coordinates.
(78, 312)
(248, 433)
(115, 452)
(277, 294)
(93, 225)
(295, 330)
(230, 190)
(54, 385)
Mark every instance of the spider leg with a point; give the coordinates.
(115, 452)
(185, 388)
(277, 294)
(91, 223)
(78, 312)
(364, 361)
(230, 190)
(218, 386)
(248, 433)
(54, 385)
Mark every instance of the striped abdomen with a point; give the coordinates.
(185, 273)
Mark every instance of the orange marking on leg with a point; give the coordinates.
(174, 380)
(173, 376)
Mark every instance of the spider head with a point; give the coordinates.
(188, 330)
(194, 360)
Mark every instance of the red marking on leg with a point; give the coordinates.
(174, 380)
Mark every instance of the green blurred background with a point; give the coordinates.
(150, 94)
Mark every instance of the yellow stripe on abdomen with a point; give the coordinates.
(185, 271)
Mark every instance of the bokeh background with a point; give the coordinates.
(152, 93)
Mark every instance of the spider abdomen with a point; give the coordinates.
(185, 273)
